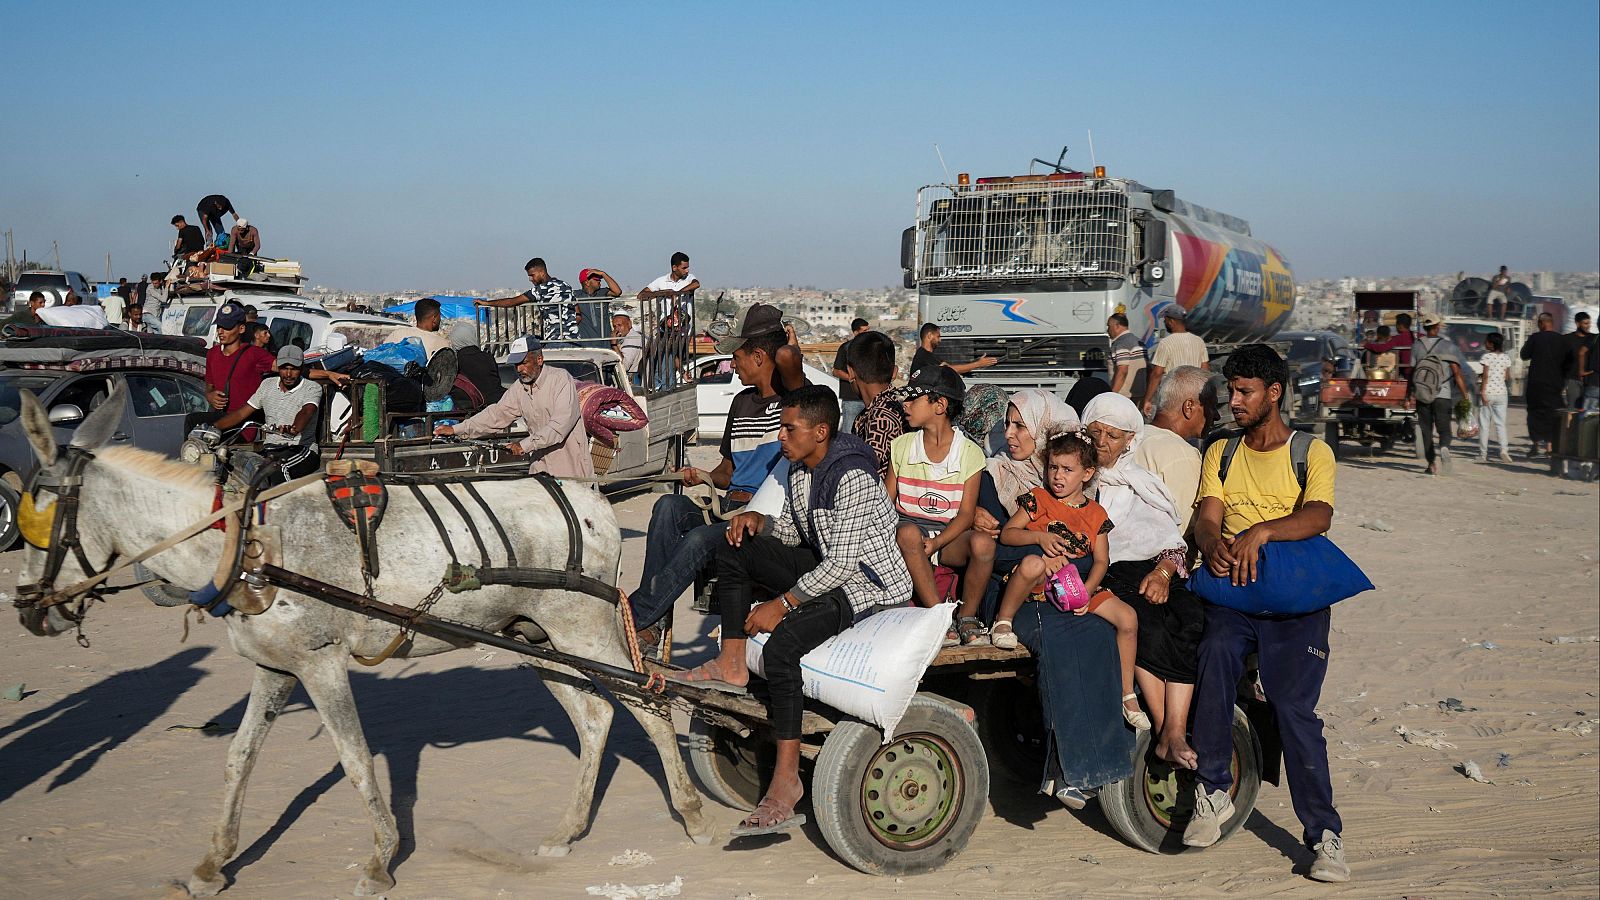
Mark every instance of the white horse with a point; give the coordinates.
(131, 499)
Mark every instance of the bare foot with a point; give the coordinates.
(716, 670)
(1174, 749)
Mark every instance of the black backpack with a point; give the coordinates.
(1299, 451)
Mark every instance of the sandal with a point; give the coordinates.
(701, 677)
(1005, 640)
(1134, 717)
(750, 826)
(970, 629)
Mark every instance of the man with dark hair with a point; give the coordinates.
(1547, 354)
(190, 240)
(429, 318)
(28, 316)
(1127, 358)
(153, 301)
(677, 284)
(1178, 348)
(558, 316)
(803, 575)
(210, 209)
(679, 543)
(1498, 300)
(928, 339)
(870, 362)
(1580, 350)
(1438, 414)
(1258, 500)
(850, 402)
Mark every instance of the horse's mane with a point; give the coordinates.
(156, 466)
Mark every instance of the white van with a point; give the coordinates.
(309, 327)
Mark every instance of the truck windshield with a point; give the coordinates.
(1053, 230)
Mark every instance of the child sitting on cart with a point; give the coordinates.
(1067, 526)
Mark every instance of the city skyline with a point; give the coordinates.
(392, 146)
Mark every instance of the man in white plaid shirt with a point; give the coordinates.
(828, 558)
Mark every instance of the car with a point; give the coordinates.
(157, 402)
(309, 327)
(54, 285)
(717, 384)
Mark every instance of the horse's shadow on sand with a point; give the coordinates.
(403, 714)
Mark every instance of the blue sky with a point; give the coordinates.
(428, 145)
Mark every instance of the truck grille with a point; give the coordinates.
(1030, 357)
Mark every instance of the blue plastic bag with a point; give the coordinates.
(1292, 578)
(396, 354)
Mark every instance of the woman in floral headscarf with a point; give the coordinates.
(1147, 572)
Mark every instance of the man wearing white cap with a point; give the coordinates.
(289, 407)
(546, 400)
(244, 239)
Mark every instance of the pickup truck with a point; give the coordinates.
(656, 449)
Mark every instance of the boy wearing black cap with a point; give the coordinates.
(933, 478)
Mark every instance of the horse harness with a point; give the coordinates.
(54, 530)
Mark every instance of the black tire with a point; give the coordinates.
(1330, 435)
(907, 807)
(1151, 808)
(728, 767)
(1416, 442)
(10, 501)
(1011, 726)
(160, 592)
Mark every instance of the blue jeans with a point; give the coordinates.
(848, 410)
(1293, 652)
(678, 545)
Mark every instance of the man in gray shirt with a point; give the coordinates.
(1439, 413)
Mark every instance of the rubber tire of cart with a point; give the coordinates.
(733, 770)
(161, 593)
(854, 750)
(10, 502)
(1416, 442)
(1011, 726)
(1127, 806)
(1330, 435)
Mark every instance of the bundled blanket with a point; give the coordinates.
(608, 411)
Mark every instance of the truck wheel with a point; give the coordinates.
(730, 768)
(905, 807)
(1330, 434)
(1011, 726)
(1151, 808)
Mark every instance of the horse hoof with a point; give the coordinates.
(701, 838)
(372, 887)
(554, 849)
(198, 887)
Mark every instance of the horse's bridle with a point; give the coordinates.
(62, 536)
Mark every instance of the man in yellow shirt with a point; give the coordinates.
(1263, 496)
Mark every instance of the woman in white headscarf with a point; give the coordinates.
(1147, 555)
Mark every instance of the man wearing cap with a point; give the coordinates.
(680, 543)
(234, 368)
(1178, 348)
(546, 399)
(244, 239)
(558, 319)
(289, 407)
(1438, 414)
(595, 288)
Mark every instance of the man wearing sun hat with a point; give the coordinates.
(546, 399)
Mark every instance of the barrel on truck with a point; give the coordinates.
(1027, 269)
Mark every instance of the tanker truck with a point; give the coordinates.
(1027, 268)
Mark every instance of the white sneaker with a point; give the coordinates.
(1210, 814)
(1329, 864)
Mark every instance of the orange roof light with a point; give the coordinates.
(1099, 171)
(963, 179)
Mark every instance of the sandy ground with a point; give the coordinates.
(1487, 593)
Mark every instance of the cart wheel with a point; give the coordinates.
(1416, 442)
(730, 768)
(160, 592)
(904, 807)
(1011, 726)
(1151, 808)
(1330, 434)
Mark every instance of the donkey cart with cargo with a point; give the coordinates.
(297, 581)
